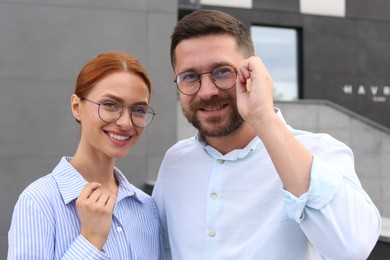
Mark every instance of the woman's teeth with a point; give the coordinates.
(118, 137)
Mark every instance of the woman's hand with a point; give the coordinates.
(95, 210)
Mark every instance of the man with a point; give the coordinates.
(248, 186)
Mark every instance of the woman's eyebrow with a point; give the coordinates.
(143, 103)
(120, 100)
(114, 97)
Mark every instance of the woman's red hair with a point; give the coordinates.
(105, 64)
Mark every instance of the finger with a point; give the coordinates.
(102, 200)
(243, 73)
(95, 195)
(111, 202)
(242, 76)
(246, 72)
(251, 65)
(88, 189)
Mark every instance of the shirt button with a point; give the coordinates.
(119, 229)
(302, 216)
(213, 195)
(212, 233)
(220, 161)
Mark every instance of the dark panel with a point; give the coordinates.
(319, 85)
(244, 15)
(373, 30)
(380, 251)
(330, 54)
(374, 58)
(273, 18)
(368, 9)
(277, 5)
(322, 25)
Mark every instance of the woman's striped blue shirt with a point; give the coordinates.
(45, 224)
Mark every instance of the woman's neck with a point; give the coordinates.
(96, 169)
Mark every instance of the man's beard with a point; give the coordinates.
(212, 126)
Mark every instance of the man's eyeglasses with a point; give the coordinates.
(188, 82)
(110, 111)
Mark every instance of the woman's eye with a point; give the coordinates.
(110, 105)
(139, 110)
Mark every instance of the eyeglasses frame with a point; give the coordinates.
(121, 113)
(200, 79)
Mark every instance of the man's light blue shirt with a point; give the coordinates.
(233, 206)
(45, 224)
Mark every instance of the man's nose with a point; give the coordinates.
(207, 87)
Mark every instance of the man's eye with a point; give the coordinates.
(190, 77)
(222, 72)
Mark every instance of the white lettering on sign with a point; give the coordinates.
(379, 99)
(374, 90)
(386, 90)
(347, 89)
(377, 93)
(361, 90)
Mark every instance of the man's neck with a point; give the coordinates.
(237, 140)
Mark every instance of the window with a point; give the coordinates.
(278, 49)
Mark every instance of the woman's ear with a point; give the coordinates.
(75, 105)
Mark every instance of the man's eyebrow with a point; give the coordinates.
(141, 103)
(213, 66)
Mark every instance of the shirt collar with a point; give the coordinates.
(255, 144)
(70, 182)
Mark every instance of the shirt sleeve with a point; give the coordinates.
(82, 249)
(157, 195)
(32, 236)
(323, 188)
(336, 214)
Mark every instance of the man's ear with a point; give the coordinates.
(75, 105)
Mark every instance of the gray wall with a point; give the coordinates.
(43, 45)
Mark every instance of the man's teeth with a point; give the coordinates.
(118, 137)
(212, 108)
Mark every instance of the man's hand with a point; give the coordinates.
(254, 92)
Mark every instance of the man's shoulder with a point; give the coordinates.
(184, 145)
(318, 141)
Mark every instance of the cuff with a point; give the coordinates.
(83, 249)
(325, 181)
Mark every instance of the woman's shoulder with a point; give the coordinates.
(41, 191)
(141, 195)
(145, 199)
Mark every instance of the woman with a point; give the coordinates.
(86, 208)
